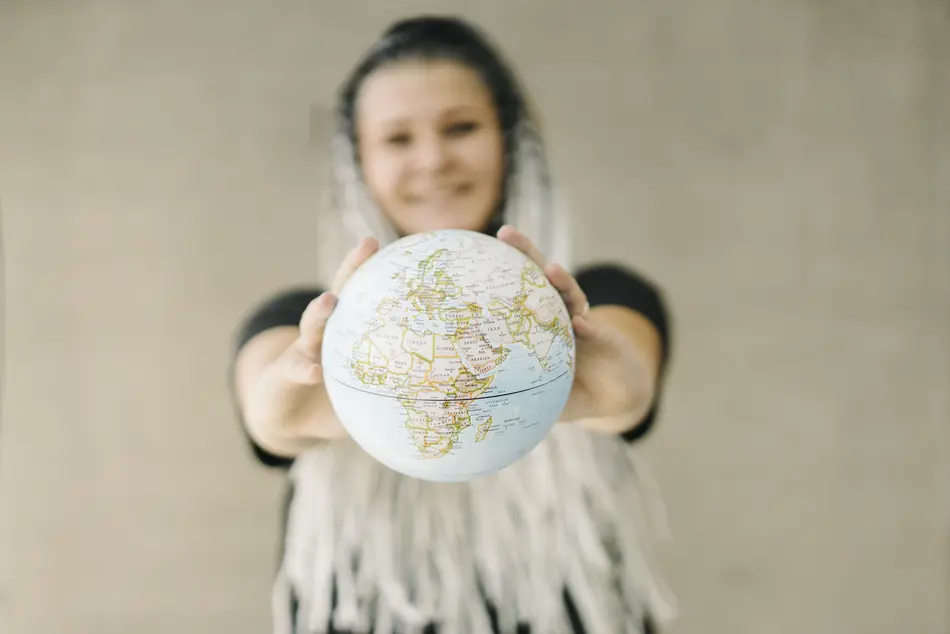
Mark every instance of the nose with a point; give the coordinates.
(432, 154)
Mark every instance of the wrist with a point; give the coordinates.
(292, 415)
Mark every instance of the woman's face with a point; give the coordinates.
(430, 145)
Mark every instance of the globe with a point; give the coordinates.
(449, 355)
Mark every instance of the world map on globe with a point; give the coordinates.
(449, 355)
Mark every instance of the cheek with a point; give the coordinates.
(382, 177)
(489, 161)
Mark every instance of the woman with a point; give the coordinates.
(433, 133)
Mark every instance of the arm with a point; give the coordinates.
(277, 378)
(615, 392)
(281, 414)
(627, 352)
(622, 342)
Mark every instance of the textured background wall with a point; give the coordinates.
(782, 168)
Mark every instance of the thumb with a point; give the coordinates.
(303, 357)
(597, 338)
(313, 322)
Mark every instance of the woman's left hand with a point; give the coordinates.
(615, 379)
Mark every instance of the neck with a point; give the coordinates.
(491, 229)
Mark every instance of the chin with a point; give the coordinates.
(441, 222)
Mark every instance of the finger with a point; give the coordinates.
(597, 339)
(520, 241)
(353, 260)
(312, 324)
(574, 297)
(584, 327)
(300, 369)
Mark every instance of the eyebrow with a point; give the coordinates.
(453, 111)
(459, 109)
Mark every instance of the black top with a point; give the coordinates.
(603, 284)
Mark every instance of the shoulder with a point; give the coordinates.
(280, 308)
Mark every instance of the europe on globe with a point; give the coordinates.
(449, 355)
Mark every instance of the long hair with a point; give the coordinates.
(527, 198)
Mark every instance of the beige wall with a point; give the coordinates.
(772, 164)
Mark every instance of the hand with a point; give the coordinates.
(279, 378)
(614, 380)
(301, 361)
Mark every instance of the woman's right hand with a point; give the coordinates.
(280, 379)
(301, 361)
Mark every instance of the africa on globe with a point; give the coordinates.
(449, 355)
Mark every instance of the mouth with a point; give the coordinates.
(440, 195)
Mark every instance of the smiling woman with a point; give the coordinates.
(433, 133)
(431, 146)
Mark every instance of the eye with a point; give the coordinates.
(400, 139)
(462, 128)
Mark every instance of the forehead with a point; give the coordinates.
(414, 90)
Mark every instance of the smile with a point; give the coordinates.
(440, 194)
